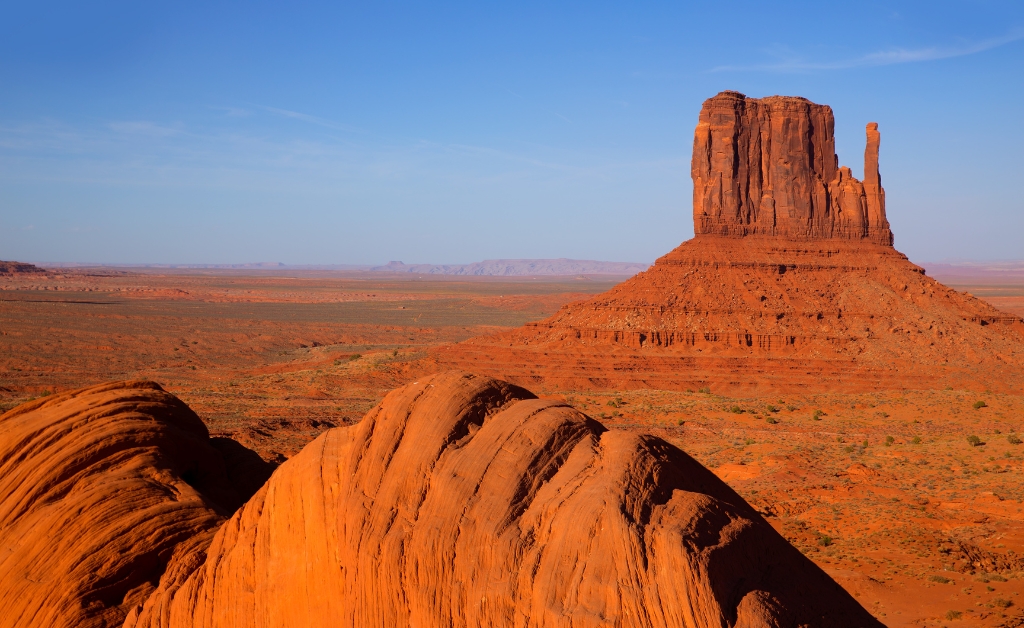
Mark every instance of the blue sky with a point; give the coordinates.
(331, 133)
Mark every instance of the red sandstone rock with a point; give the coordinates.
(768, 166)
(466, 501)
(19, 268)
(99, 488)
(790, 283)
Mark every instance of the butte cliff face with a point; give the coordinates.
(768, 166)
(791, 282)
(460, 501)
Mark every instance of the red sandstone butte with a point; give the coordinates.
(768, 166)
(791, 282)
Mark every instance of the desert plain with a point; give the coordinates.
(910, 498)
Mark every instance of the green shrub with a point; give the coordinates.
(849, 449)
(1013, 439)
(771, 420)
(354, 357)
(824, 540)
(817, 415)
(771, 408)
(916, 440)
(974, 441)
(736, 410)
(889, 440)
(939, 579)
(1002, 603)
(706, 390)
(951, 615)
(979, 404)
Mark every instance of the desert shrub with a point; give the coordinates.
(681, 421)
(613, 403)
(951, 615)
(736, 410)
(1013, 439)
(706, 390)
(749, 441)
(354, 357)
(791, 408)
(771, 420)
(824, 540)
(974, 441)
(979, 404)
(771, 408)
(817, 415)
(916, 440)
(864, 444)
(939, 579)
(849, 449)
(997, 578)
(889, 440)
(1002, 602)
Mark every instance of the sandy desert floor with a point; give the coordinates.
(912, 500)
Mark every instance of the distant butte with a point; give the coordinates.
(791, 282)
(19, 268)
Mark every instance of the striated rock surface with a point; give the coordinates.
(466, 501)
(99, 488)
(768, 166)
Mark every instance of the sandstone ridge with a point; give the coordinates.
(459, 501)
(466, 501)
(99, 489)
(768, 166)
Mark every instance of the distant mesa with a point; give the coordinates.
(458, 501)
(790, 283)
(519, 268)
(19, 268)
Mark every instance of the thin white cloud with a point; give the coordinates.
(295, 115)
(143, 128)
(885, 57)
(232, 112)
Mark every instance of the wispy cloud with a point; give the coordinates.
(143, 128)
(232, 112)
(295, 115)
(892, 56)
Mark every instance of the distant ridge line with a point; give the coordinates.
(493, 268)
(519, 267)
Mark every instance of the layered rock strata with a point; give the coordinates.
(99, 489)
(768, 166)
(465, 501)
(790, 283)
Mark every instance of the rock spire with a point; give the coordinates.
(768, 166)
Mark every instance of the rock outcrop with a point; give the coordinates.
(768, 166)
(791, 283)
(99, 489)
(466, 501)
(19, 268)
